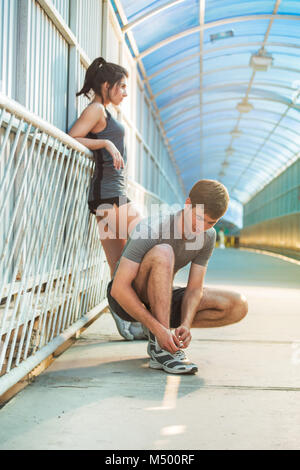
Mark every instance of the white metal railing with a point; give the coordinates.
(53, 270)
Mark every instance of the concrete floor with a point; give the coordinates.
(100, 394)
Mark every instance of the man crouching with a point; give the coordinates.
(142, 286)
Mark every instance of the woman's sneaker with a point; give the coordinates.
(176, 363)
(137, 330)
(129, 330)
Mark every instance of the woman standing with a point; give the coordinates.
(97, 129)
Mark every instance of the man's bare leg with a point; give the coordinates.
(220, 308)
(154, 285)
(154, 281)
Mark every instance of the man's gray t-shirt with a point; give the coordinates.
(164, 230)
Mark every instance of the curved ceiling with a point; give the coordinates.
(196, 58)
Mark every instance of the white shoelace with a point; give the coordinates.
(180, 355)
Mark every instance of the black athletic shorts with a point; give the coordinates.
(175, 319)
(119, 201)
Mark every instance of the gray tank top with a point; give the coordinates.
(107, 182)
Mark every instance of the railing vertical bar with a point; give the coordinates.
(68, 204)
(43, 260)
(5, 139)
(32, 247)
(75, 282)
(2, 116)
(13, 177)
(52, 213)
(77, 196)
(12, 250)
(47, 244)
(68, 316)
(25, 273)
(53, 261)
(43, 164)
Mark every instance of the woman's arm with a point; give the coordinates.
(92, 115)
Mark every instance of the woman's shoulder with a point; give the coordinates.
(96, 109)
(95, 114)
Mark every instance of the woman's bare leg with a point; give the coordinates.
(113, 225)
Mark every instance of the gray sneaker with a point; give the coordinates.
(176, 363)
(137, 330)
(129, 330)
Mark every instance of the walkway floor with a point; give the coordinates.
(100, 394)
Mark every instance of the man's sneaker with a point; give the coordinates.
(122, 326)
(129, 330)
(176, 363)
(152, 342)
(161, 359)
(181, 356)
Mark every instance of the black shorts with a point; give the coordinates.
(119, 201)
(175, 319)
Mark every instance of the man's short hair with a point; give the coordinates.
(213, 195)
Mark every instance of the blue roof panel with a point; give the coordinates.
(174, 20)
(177, 76)
(199, 113)
(170, 53)
(135, 10)
(216, 10)
(289, 7)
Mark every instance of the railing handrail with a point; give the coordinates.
(21, 112)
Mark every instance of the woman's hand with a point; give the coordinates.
(116, 156)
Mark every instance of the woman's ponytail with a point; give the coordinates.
(90, 76)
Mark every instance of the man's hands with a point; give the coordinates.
(167, 340)
(172, 342)
(184, 336)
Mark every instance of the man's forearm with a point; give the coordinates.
(189, 306)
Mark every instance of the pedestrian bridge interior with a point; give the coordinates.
(223, 77)
(213, 93)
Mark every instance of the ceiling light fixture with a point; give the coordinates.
(236, 132)
(262, 61)
(230, 151)
(222, 35)
(244, 106)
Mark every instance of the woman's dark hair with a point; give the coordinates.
(100, 72)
